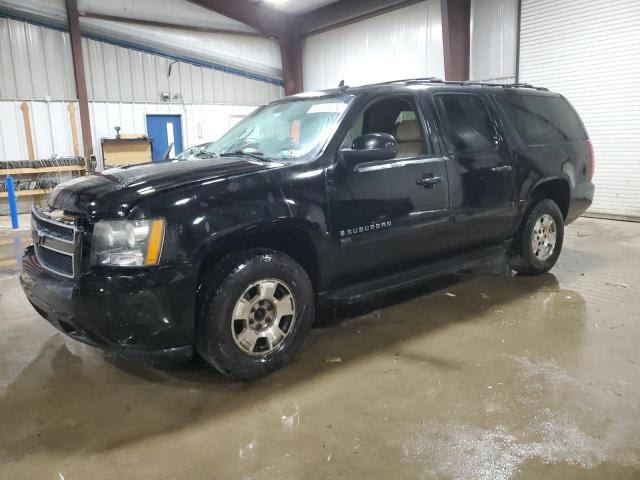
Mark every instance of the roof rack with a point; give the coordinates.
(466, 83)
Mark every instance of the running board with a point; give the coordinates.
(363, 291)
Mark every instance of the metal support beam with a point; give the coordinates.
(178, 26)
(257, 15)
(272, 23)
(456, 32)
(291, 53)
(346, 12)
(81, 83)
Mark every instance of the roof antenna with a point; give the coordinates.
(341, 86)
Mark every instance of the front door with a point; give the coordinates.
(480, 171)
(165, 132)
(387, 214)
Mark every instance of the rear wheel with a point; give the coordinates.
(256, 310)
(538, 242)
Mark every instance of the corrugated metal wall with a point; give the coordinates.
(405, 43)
(251, 55)
(117, 74)
(36, 64)
(51, 124)
(50, 129)
(590, 52)
(200, 123)
(494, 28)
(124, 85)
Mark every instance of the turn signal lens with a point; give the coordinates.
(155, 242)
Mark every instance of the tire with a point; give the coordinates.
(279, 293)
(538, 226)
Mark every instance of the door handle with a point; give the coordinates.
(428, 180)
(501, 168)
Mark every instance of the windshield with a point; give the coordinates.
(192, 152)
(292, 130)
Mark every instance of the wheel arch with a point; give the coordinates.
(557, 189)
(298, 241)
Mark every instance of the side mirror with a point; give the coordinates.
(370, 147)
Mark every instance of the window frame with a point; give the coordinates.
(430, 150)
(444, 124)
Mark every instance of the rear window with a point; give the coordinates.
(467, 121)
(541, 120)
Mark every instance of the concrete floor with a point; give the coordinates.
(478, 377)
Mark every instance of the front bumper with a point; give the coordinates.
(141, 314)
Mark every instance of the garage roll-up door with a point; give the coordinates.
(590, 52)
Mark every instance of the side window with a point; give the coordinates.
(405, 116)
(467, 121)
(396, 116)
(542, 119)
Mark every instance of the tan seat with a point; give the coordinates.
(409, 139)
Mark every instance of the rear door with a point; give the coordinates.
(385, 214)
(481, 176)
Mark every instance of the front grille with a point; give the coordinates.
(57, 244)
(57, 262)
(55, 230)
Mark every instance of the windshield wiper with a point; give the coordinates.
(240, 153)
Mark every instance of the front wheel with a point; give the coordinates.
(256, 311)
(538, 243)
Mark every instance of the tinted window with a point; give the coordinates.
(467, 122)
(541, 120)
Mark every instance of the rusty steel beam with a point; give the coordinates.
(81, 82)
(291, 53)
(154, 23)
(257, 15)
(271, 22)
(456, 33)
(346, 12)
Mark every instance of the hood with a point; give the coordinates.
(116, 191)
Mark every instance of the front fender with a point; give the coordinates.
(251, 233)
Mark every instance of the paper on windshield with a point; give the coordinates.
(327, 108)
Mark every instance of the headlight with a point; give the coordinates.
(133, 243)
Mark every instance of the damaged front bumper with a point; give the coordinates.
(145, 314)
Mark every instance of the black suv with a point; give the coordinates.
(331, 196)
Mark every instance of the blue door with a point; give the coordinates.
(165, 131)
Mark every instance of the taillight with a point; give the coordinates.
(592, 160)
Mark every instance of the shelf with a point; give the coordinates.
(28, 171)
(27, 193)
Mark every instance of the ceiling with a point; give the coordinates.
(297, 6)
(184, 13)
(178, 12)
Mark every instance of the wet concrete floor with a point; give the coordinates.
(474, 377)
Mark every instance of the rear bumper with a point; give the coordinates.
(581, 199)
(144, 315)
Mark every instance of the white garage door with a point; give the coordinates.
(590, 52)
